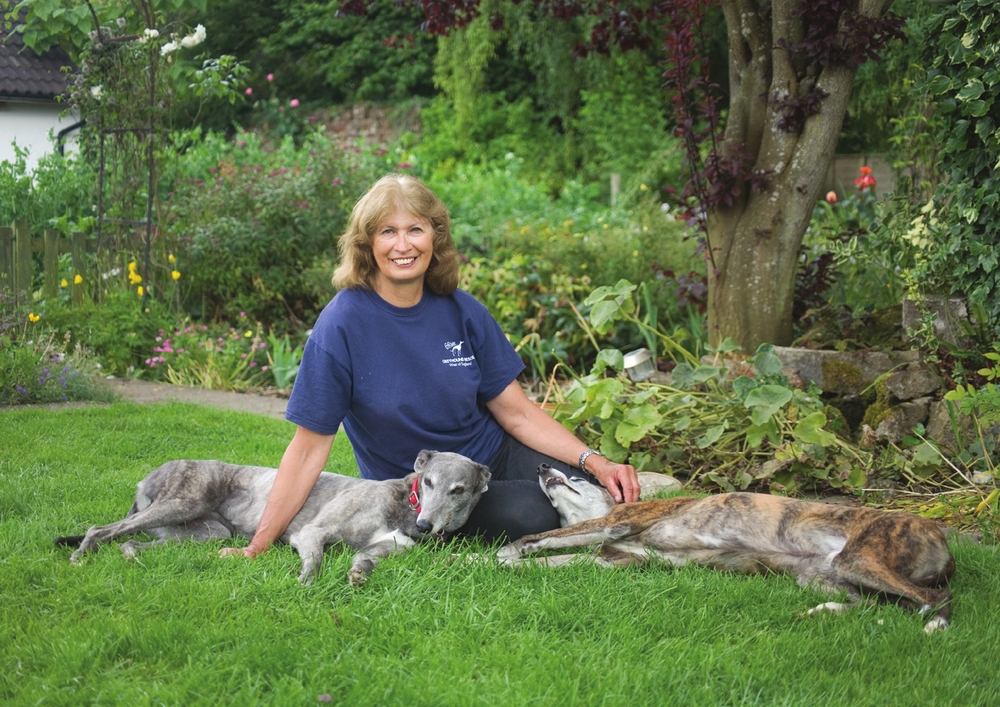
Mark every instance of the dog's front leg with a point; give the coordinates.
(365, 561)
(585, 534)
(309, 542)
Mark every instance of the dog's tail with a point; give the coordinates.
(69, 540)
(75, 540)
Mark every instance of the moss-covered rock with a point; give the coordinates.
(842, 377)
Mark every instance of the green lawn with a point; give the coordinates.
(181, 626)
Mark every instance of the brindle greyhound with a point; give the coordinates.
(898, 556)
(209, 500)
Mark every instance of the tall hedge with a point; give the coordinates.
(963, 59)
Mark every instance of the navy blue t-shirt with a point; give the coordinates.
(404, 379)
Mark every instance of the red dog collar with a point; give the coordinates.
(414, 498)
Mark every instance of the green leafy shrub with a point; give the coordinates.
(642, 245)
(533, 304)
(733, 429)
(622, 123)
(497, 206)
(482, 200)
(849, 267)
(247, 225)
(216, 358)
(957, 232)
(38, 366)
(119, 330)
(519, 88)
(982, 404)
(60, 190)
(533, 259)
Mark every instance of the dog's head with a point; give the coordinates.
(575, 498)
(449, 487)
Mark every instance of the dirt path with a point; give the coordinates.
(146, 392)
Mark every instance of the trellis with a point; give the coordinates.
(113, 126)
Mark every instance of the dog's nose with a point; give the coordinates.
(424, 526)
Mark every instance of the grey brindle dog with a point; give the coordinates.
(210, 500)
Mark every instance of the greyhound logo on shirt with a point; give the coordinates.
(457, 359)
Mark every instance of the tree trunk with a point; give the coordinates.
(755, 242)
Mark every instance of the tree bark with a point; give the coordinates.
(755, 242)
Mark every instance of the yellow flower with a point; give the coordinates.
(63, 283)
(131, 266)
(139, 291)
(134, 278)
(78, 279)
(643, 187)
(32, 317)
(174, 274)
(171, 258)
(248, 334)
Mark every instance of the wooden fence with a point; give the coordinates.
(16, 247)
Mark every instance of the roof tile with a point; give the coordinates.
(25, 74)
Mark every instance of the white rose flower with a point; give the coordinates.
(96, 91)
(193, 40)
(168, 48)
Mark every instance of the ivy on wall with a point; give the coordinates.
(963, 79)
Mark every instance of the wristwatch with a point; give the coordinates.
(583, 458)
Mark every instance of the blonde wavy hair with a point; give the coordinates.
(358, 269)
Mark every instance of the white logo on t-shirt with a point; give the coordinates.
(455, 349)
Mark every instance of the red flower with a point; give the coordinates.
(866, 180)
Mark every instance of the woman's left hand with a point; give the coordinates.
(620, 480)
(534, 428)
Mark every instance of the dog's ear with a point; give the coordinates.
(422, 459)
(484, 472)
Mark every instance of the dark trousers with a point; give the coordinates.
(515, 505)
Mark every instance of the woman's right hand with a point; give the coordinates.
(300, 466)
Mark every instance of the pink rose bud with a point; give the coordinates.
(831, 197)
(270, 77)
(294, 103)
(249, 91)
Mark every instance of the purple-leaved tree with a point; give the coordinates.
(755, 174)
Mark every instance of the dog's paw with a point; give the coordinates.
(74, 559)
(938, 623)
(356, 577)
(832, 607)
(465, 558)
(129, 549)
(508, 554)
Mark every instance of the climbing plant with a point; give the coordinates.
(959, 228)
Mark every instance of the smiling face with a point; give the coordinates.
(403, 245)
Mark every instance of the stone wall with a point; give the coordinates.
(890, 392)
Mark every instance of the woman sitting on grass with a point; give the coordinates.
(407, 361)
